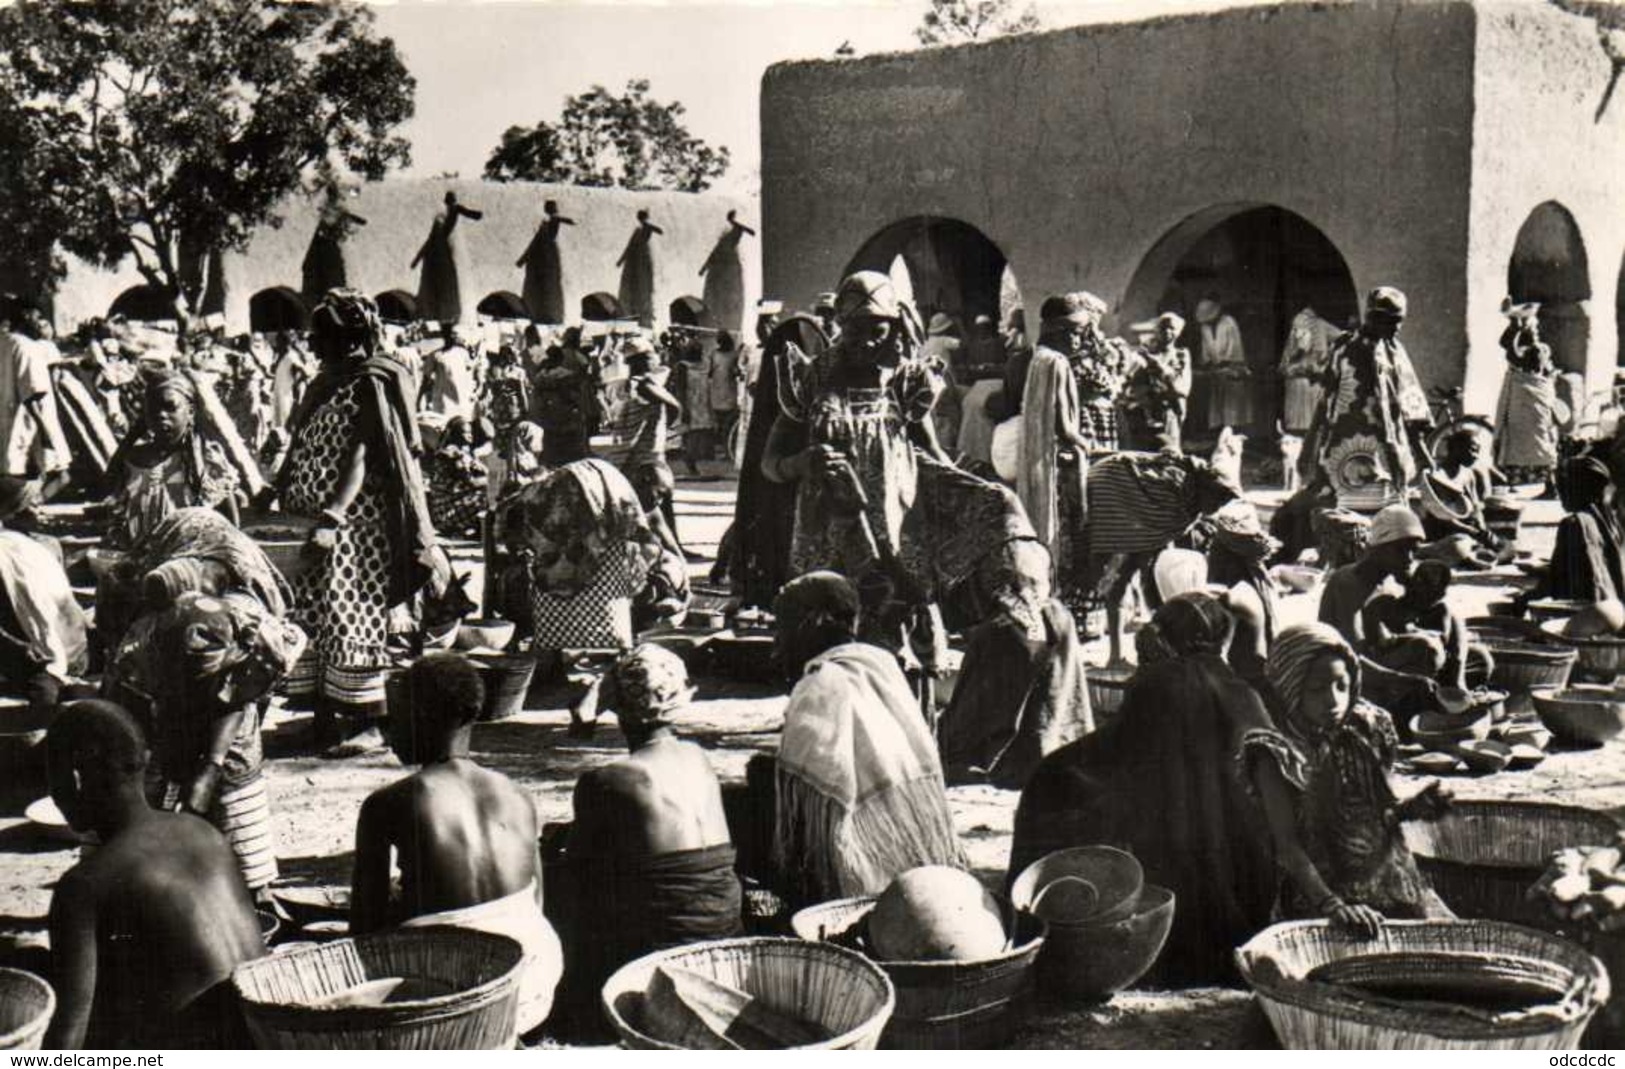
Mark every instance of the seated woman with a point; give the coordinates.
(456, 482)
(173, 458)
(196, 673)
(1321, 771)
(1453, 495)
(649, 860)
(1021, 692)
(1161, 781)
(42, 628)
(1586, 559)
(860, 789)
(464, 838)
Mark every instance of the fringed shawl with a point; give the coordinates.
(860, 788)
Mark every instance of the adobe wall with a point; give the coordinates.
(1076, 151)
(399, 213)
(1537, 137)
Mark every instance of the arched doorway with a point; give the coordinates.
(1264, 265)
(144, 304)
(1549, 265)
(277, 309)
(950, 267)
(503, 304)
(397, 306)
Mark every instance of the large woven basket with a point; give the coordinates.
(480, 1014)
(1483, 856)
(838, 989)
(26, 1006)
(941, 1005)
(1315, 1016)
(507, 682)
(1600, 658)
(1522, 666)
(1107, 688)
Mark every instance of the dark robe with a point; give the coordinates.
(1162, 781)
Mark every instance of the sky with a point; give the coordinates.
(484, 66)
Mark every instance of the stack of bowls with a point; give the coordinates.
(1106, 924)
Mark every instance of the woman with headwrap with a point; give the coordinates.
(649, 862)
(456, 482)
(352, 467)
(195, 673)
(878, 501)
(1021, 692)
(172, 459)
(1161, 781)
(1321, 772)
(1529, 415)
(1587, 557)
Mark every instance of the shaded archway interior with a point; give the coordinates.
(503, 304)
(277, 308)
(397, 306)
(1549, 265)
(1264, 264)
(949, 266)
(143, 304)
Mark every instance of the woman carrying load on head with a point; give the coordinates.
(352, 467)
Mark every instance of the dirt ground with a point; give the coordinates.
(316, 802)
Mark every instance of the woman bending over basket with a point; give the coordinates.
(1321, 773)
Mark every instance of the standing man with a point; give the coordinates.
(1230, 398)
(1054, 452)
(30, 434)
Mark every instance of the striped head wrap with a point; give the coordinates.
(161, 381)
(1295, 650)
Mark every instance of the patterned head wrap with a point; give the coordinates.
(1193, 623)
(1238, 531)
(1295, 650)
(352, 317)
(645, 685)
(167, 381)
(867, 293)
(1079, 307)
(1387, 302)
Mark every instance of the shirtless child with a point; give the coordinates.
(463, 837)
(146, 929)
(650, 859)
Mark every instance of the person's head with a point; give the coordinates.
(942, 325)
(97, 759)
(459, 433)
(1068, 320)
(1385, 309)
(643, 215)
(1585, 482)
(1315, 676)
(824, 307)
(870, 315)
(640, 355)
(1209, 308)
(444, 694)
(1396, 534)
(345, 327)
(725, 342)
(1192, 624)
(1463, 447)
(551, 207)
(644, 688)
(451, 198)
(1239, 544)
(1427, 584)
(1170, 326)
(170, 406)
(816, 612)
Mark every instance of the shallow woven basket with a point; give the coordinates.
(840, 990)
(941, 1005)
(26, 1006)
(1522, 666)
(1312, 1016)
(1600, 658)
(1483, 856)
(1107, 688)
(479, 1015)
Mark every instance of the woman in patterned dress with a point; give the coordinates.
(352, 467)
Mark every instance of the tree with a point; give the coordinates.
(631, 141)
(165, 130)
(957, 21)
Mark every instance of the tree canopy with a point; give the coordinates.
(167, 129)
(957, 21)
(601, 139)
